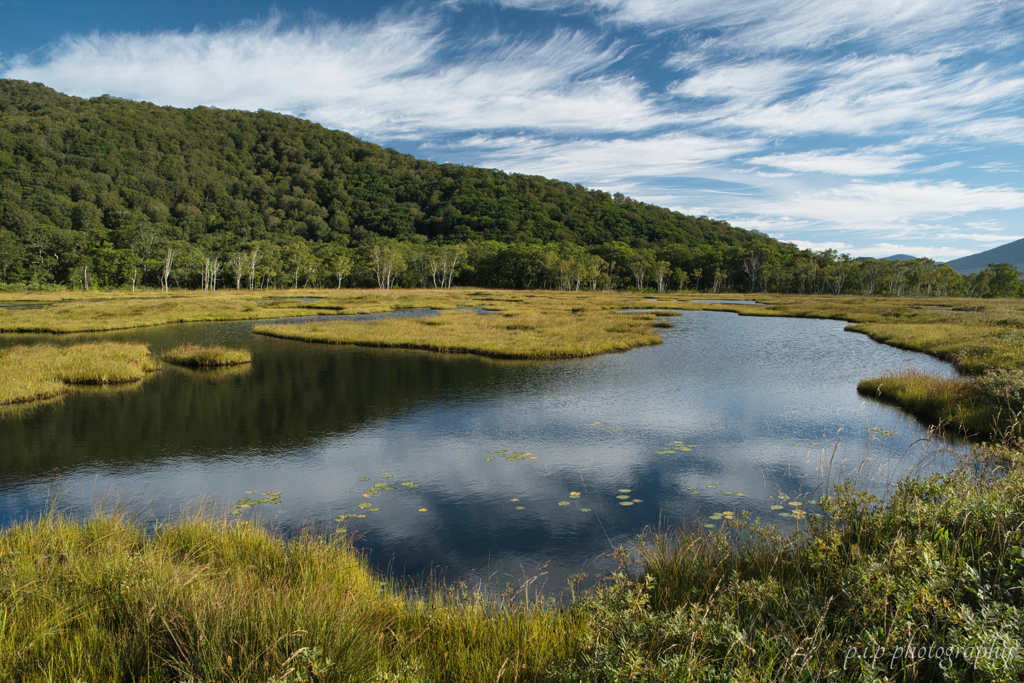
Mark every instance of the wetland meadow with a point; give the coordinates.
(505, 485)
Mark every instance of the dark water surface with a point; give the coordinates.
(761, 403)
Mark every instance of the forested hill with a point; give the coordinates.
(78, 173)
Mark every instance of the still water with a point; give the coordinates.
(727, 405)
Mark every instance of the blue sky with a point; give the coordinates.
(871, 127)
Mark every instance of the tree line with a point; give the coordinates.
(105, 192)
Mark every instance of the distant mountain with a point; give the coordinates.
(898, 257)
(1008, 253)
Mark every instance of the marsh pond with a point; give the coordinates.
(470, 465)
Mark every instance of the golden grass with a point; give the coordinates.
(204, 600)
(40, 371)
(548, 327)
(210, 356)
(68, 312)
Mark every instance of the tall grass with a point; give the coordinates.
(208, 356)
(203, 600)
(40, 371)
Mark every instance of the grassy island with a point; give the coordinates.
(41, 371)
(544, 328)
(210, 356)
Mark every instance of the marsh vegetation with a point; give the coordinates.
(41, 371)
(212, 596)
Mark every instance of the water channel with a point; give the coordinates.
(762, 407)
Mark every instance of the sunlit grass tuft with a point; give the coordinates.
(215, 356)
(40, 371)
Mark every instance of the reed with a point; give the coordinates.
(41, 371)
(209, 356)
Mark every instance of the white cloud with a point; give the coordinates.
(998, 167)
(385, 79)
(878, 206)
(864, 162)
(601, 162)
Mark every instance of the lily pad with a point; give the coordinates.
(623, 497)
(626, 503)
(410, 485)
(520, 507)
(374, 509)
(625, 490)
(386, 476)
(776, 507)
(563, 502)
(489, 458)
(584, 509)
(795, 503)
(422, 510)
(364, 479)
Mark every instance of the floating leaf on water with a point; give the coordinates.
(741, 495)
(365, 505)
(795, 503)
(343, 530)
(342, 518)
(637, 500)
(712, 486)
(684, 448)
(783, 496)
(501, 451)
(533, 457)
(594, 424)
(236, 512)
(489, 458)
(623, 497)
(563, 502)
(374, 509)
(386, 476)
(625, 490)
(710, 526)
(584, 509)
(626, 503)
(422, 509)
(520, 507)
(364, 479)
(251, 491)
(716, 516)
(785, 514)
(514, 500)
(271, 493)
(666, 452)
(776, 507)
(410, 485)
